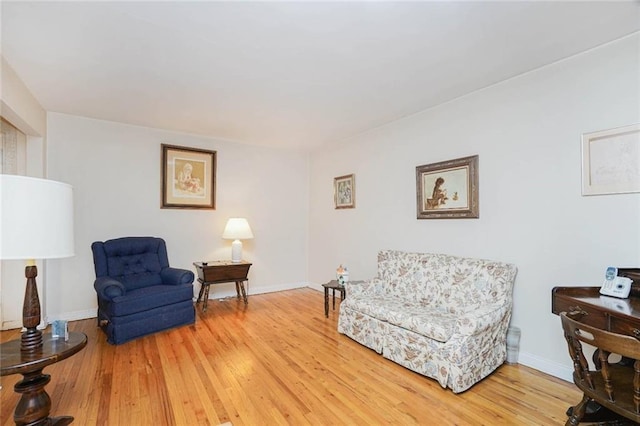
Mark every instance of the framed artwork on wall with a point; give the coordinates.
(448, 189)
(611, 161)
(344, 191)
(188, 178)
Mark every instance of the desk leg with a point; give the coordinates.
(35, 404)
(244, 292)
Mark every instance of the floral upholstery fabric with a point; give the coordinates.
(443, 316)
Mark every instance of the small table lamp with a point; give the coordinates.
(36, 222)
(237, 229)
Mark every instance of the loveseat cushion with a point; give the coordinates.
(414, 316)
(433, 323)
(373, 306)
(146, 298)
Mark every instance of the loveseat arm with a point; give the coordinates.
(481, 319)
(176, 276)
(372, 287)
(108, 288)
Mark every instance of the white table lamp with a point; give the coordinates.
(36, 222)
(237, 229)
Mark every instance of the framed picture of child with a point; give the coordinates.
(448, 189)
(344, 191)
(188, 178)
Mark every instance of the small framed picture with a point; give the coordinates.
(344, 191)
(611, 161)
(448, 189)
(188, 178)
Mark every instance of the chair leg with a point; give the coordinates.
(578, 412)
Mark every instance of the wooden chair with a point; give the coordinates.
(615, 386)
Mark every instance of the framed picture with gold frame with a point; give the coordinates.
(448, 189)
(188, 178)
(344, 191)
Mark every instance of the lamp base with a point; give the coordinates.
(31, 340)
(236, 251)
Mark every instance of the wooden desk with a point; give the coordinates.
(221, 271)
(35, 404)
(620, 316)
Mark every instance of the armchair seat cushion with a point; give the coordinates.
(147, 298)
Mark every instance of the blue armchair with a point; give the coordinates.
(138, 293)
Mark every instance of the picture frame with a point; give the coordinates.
(344, 191)
(611, 161)
(448, 189)
(188, 178)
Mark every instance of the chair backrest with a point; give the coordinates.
(134, 261)
(613, 385)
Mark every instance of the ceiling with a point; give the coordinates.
(287, 74)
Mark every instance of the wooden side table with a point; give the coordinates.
(221, 271)
(35, 404)
(333, 286)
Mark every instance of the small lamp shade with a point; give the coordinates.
(237, 229)
(36, 218)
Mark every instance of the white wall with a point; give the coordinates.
(527, 132)
(115, 171)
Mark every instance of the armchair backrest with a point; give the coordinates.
(134, 261)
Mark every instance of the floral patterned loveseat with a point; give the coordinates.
(443, 316)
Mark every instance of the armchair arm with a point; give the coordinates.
(481, 319)
(108, 288)
(176, 276)
(372, 287)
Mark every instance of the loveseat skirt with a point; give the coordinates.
(362, 328)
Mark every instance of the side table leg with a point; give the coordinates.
(244, 293)
(202, 286)
(206, 298)
(326, 302)
(333, 298)
(35, 404)
(238, 289)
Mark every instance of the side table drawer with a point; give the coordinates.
(226, 273)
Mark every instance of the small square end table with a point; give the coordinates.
(334, 286)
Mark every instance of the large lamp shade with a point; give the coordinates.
(36, 218)
(36, 222)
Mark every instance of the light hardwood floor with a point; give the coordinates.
(276, 361)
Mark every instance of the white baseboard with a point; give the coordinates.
(73, 316)
(561, 371)
(93, 313)
(222, 292)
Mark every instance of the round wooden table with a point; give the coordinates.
(35, 404)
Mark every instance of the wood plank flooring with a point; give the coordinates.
(276, 361)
